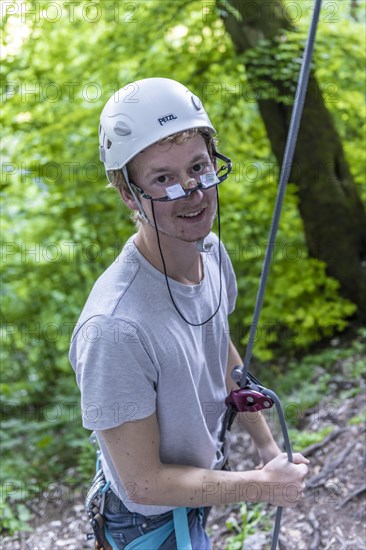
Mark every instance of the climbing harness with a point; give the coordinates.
(94, 504)
(252, 396)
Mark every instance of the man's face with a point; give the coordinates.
(160, 165)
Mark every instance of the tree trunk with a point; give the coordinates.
(331, 209)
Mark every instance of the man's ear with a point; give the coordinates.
(127, 198)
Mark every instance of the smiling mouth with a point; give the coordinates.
(192, 214)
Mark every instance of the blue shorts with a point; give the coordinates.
(125, 526)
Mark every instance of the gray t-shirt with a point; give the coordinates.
(134, 355)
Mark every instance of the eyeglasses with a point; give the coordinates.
(207, 180)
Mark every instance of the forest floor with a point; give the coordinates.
(331, 516)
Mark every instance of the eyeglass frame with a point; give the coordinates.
(188, 192)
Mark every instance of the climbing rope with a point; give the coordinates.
(245, 379)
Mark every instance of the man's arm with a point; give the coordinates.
(254, 423)
(134, 449)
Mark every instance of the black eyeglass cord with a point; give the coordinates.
(165, 270)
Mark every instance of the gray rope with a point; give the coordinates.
(281, 416)
(284, 175)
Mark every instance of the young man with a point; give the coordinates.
(151, 350)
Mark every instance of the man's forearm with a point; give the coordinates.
(280, 483)
(256, 426)
(175, 485)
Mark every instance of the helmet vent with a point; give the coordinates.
(196, 102)
(122, 129)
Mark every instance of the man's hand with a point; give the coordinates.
(283, 481)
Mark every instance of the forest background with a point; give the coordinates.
(61, 227)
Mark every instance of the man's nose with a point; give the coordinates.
(190, 183)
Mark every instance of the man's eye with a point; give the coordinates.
(198, 168)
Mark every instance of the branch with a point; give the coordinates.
(329, 467)
(355, 493)
(315, 543)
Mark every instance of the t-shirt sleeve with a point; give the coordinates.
(114, 371)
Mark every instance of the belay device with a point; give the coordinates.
(252, 396)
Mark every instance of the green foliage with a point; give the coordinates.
(341, 78)
(302, 305)
(279, 61)
(300, 440)
(14, 517)
(42, 446)
(303, 383)
(252, 518)
(358, 419)
(62, 228)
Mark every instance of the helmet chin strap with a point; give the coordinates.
(141, 210)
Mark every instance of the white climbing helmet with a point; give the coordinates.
(144, 112)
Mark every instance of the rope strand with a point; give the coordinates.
(284, 175)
